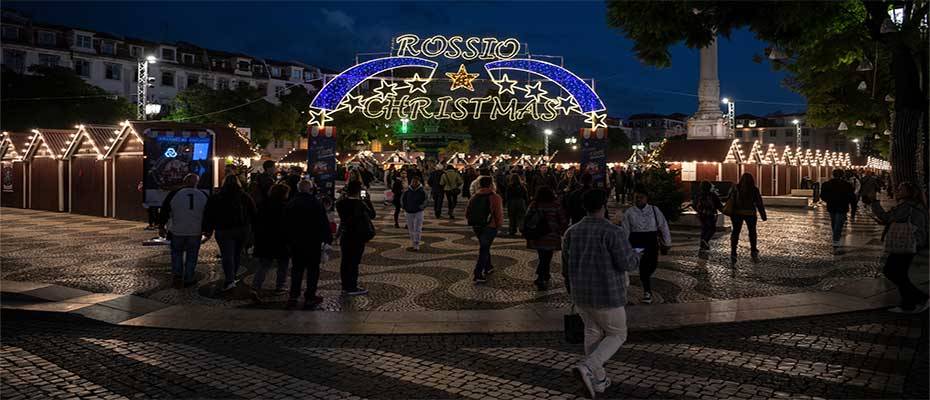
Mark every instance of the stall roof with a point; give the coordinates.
(56, 140)
(15, 145)
(229, 143)
(296, 156)
(714, 150)
(100, 136)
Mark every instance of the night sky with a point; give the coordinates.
(330, 35)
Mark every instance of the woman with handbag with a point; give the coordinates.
(905, 231)
(707, 203)
(355, 215)
(743, 203)
(546, 237)
(649, 235)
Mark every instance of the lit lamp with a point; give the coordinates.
(547, 132)
(143, 83)
(797, 132)
(731, 115)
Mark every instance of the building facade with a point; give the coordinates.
(780, 130)
(655, 127)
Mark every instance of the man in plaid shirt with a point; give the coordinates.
(596, 259)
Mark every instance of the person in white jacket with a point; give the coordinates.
(648, 230)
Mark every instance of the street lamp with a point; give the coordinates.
(797, 132)
(572, 141)
(858, 147)
(404, 129)
(548, 133)
(143, 83)
(731, 115)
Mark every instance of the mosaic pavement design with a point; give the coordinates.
(105, 255)
(870, 355)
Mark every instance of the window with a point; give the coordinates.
(113, 71)
(167, 78)
(805, 132)
(278, 143)
(222, 83)
(107, 47)
(773, 134)
(49, 60)
(245, 66)
(167, 54)
(739, 134)
(135, 51)
(755, 134)
(279, 91)
(192, 79)
(187, 58)
(276, 72)
(15, 60)
(10, 33)
(82, 67)
(789, 133)
(805, 144)
(296, 73)
(84, 41)
(47, 38)
(688, 171)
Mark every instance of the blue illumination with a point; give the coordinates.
(331, 95)
(580, 91)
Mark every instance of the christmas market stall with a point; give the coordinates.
(295, 157)
(13, 169)
(48, 171)
(88, 179)
(480, 160)
(525, 161)
(456, 160)
(396, 160)
(703, 160)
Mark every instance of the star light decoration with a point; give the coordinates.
(352, 103)
(462, 79)
(566, 105)
(416, 84)
(536, 92)
(597, 120)
(505, 84)
(318, 117)
(383, 92)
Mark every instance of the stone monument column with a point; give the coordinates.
(708, 121)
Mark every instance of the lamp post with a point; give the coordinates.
(797, 133)
(142, 86)
(404, 128)
(547, 132)
(731, 115)
(858, 147)
(572, 141)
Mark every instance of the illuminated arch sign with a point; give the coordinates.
(415, 89)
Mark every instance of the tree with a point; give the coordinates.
(55, 97)
(821, 45)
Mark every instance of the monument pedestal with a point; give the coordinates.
(707, 129)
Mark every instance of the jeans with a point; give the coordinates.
(305, 259)
(452, 200)
(708, 228)
(604, 332)
(264, 264)
(516, 211)
(543, 265)
(184, 251)
(437, 202)
(896, 268)
(231, 242)
(414, 227)
(737, 221)
(649, 259)
(352, 251)
(837, 221)
(485, 240)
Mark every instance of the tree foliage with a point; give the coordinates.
(823, 44)
(55, 97)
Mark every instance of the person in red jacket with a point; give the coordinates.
(485, 214)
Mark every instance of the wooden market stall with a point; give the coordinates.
(456, 160)
(48, 171)
(397, 159)
(295, 157)
(704, 160)
(13, 169)
(88, 179)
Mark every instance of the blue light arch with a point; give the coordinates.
(335, 90)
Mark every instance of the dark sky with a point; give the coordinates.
(330, 34)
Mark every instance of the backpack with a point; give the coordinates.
(535, 225)
(479, 212)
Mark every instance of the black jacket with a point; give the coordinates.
(838, 194)
(306, 222)
(229, 210)
(349, 210)
(271, 230)
(413, 200)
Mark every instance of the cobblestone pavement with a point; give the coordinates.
(105, 255)
(859, 355)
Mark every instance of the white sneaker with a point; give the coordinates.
(231, 286)
(583, 373)
(647, 298)
(602, 386)
(898, 310)
(919, 309)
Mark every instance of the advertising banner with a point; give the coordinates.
(7, 175)
(321, 162)
(169, 156)
(594, 154)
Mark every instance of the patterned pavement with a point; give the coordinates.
(863, 355)
(105, 255)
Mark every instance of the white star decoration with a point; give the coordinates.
(351, 103)
(597, 120)
(505, 84)
(318, 117)
(566, 104)
(381, 91)
(535, 92)
(416, 84)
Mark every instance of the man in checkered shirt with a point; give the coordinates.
(596, 260)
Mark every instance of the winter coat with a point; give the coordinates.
(413, 200)
(228, 210)
(305, 221)
(270, 230)
(554, 215)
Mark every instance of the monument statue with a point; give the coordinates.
(708, 122)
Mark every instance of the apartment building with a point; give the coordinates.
(654, 127)
(779, 129)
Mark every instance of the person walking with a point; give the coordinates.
(467, 178)
(905, 233)
(648, 230)
(230, 213)
(306, 230)
(596, 261)
(184, 207)
(397, 189)
(747, 201)
(451, 182)
(262, 182)
(435, 189)
(271, 238)
(869, 188)
(517, 198)
(544, 177)
(839, 195)
(413, 201)
(473, 188)
(485, 214)
(706, 204)
(547, 208)
(853, 180)
(355, 215)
